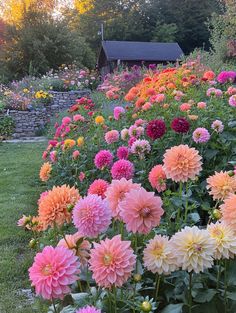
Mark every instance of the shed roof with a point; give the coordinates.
(142, 51)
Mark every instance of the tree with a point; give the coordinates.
(42, 43)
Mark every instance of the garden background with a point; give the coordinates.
(113, 143)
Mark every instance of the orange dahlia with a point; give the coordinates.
(55, 207)
(220, 185)
(182, 163)
(45, 171)
(228, 210)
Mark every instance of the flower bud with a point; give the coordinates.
(137, 277)
(216, 214)
(33, 243)
(146, 306)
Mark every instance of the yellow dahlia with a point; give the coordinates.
(55, 207)
(45, 172)
(221, 184)
(159, 257)
(225, 239)
(194, 249)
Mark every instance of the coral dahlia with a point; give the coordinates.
(45, 171)
(157, 178)
(141, 211)
(98, 187)
(182, 163)
(221, 185)
(228, 210)
(54, 206)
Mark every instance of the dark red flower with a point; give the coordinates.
(180, 125)
(156, 129)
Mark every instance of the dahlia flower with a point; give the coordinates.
(185, 107)
(76, 243)
(221, 185)
(217, 126)
(159, 257)
(112, 261)
(69, 143)
(78, 118)
(98, 187)
(232, 101)
(156, 129)
(45, 171)
(103, 159)
(180, 125)
(116, 192)
(226, 76)
(201, 135)
(75, 154)
(112, 136)
(141, 211)
(99, 120)
(228, 211)
(122, 168)
(92, 216)
(53, 270)
(124, 134)
(140, 147)
(118, 111)
(224, 237)
(89, 309)
(135, 131)
(54, 207)
(182, 163)
(66, 120)
(122, 153)
(157, 178)
(194, 249)
(201, 105)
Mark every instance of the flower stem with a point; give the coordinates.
(225, 287)
(190, 291)
(218, 276)
(79, 285)
(157, 285)
(114, 291)
(54, 306)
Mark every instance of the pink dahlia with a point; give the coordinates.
(89, 309)
(141, 211)
(122, 168)
(185, 107)
(180, 125)
(116, 192)
(98, 187)
(112, 261)
(124, 134)
(78, 118)
(218, 126)
(66, 120)
(201, 105)
(201, 135)
(131, 141)
(53, 270)
(103, 159)
(112, 136)
(122, 153)
(75, 154)
(232, 101)
(92, 216)
(53, 156)
(156, 129)
(118, 111)
(135, 131)
(157, 178)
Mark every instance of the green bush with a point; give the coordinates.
(6, 126)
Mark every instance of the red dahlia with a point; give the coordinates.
(180, 125)
(156, 129)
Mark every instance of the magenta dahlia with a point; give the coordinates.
(122, 169)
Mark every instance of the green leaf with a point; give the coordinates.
(231, 295)
(205, 295)
(173, 308)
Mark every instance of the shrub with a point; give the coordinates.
(6, 126)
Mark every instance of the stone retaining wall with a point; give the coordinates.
(30, 123)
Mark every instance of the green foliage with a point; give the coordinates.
(42, 43)
(6, 126)
(165, 32)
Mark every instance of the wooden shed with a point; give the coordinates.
(129, 53)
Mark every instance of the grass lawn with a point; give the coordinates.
(19, 191)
